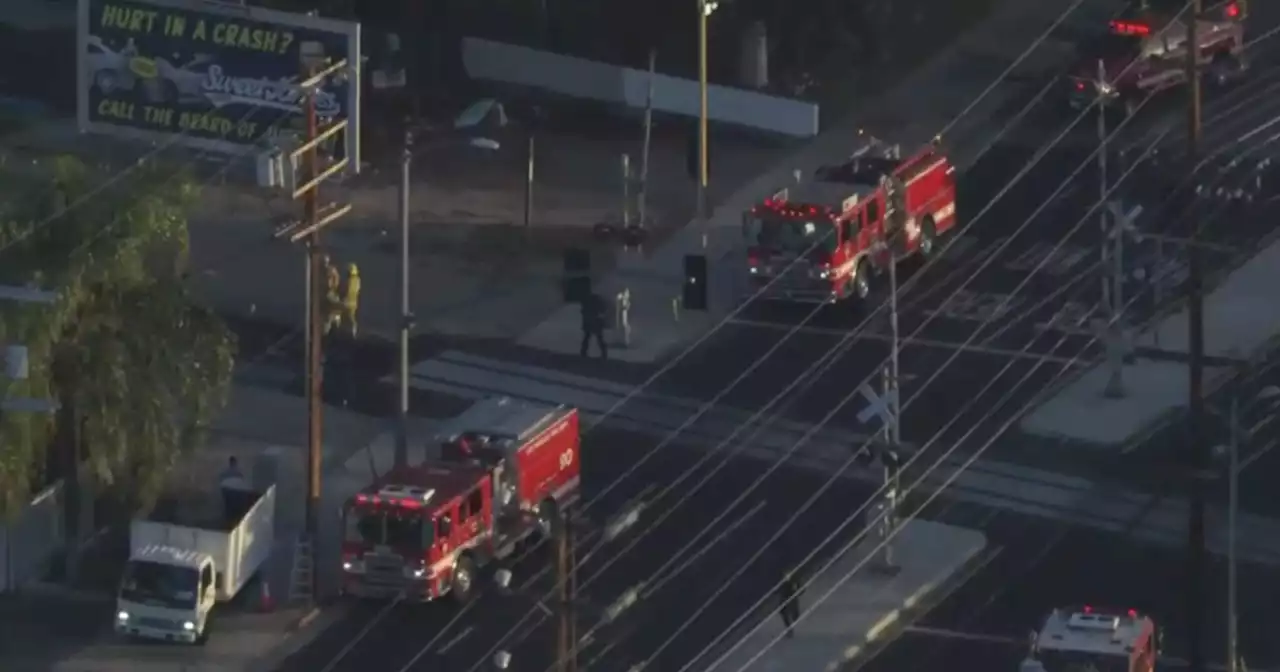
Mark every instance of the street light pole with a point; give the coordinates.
(1233, 499)
(705, 8)
(406, 316)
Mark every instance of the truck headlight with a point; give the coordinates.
(188, 626)
(122, 616)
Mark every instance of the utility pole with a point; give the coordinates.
(705, 9)
(315, 71)
(566, 579)
(1198, 451)
(643, 197)
(406, 311)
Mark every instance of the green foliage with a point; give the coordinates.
(136, 363)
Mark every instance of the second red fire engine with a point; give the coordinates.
(822, 240)
(1085, 638)
(507, 471)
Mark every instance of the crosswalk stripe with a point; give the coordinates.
(1004, 486)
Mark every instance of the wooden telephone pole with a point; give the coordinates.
(567, 619)
(316, 70)
(1198, 450)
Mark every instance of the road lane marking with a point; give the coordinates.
(456, 640)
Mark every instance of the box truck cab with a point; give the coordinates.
(182, 564)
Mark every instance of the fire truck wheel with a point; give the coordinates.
(928, 238)
(548, 519)
(862, 280)
(1223, 69)
(462, 583)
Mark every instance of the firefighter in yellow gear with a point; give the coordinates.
(351, 300)
(332, 296)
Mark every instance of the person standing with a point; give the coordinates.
(593, 325)
(332, 296)
(789, 596)
(351, 299)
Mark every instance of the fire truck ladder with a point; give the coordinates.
(300, 579)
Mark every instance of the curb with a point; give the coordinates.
(297, 636)
(885, 631)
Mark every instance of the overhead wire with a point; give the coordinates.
(936, 373)
(695, 346)
(172, 141)
(727, 319)
(938, 492)
(1244, 376)
(805, 375)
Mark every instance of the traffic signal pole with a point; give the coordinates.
(1198, 451)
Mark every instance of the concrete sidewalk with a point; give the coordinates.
(850, 606)
(257, 425)
(930, 98)
(1241, 322)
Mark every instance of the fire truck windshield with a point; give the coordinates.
(791, 234)
(397, 527)
(1081, 661)
(1117, 44)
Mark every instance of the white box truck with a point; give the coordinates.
(183, 563)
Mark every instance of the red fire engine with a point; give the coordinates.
(507, 470)
(1144, 53)
(1085, 638)
(822, 240)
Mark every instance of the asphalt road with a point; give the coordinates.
(976, 389)
(1042, 565)
(1009, 308)
(682, 569)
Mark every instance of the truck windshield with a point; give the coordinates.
(159, 585)
(396, 527)
(785, 234)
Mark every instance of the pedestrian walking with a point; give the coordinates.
(593, 320)
(789, 591)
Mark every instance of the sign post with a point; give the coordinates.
(885, 408)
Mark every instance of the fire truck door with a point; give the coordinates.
(473, 514)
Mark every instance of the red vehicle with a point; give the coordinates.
(507, 470)
(1144, 53)
(1085, 638)
(822, 240)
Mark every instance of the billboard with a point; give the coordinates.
(208, 75)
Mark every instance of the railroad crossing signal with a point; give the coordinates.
(880, 406)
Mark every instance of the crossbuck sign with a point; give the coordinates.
(877, 405)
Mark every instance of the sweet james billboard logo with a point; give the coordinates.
(223, 75)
